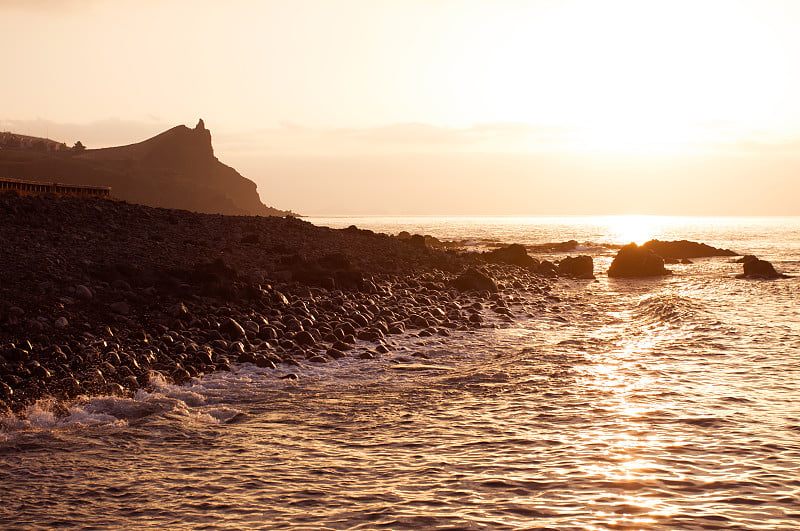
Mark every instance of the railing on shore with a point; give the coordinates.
(53, 188)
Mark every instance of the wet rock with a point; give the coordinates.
(545, 268)
(263, 362)
(232, 329)
(633, 261)
(576, 267)
(61, 323)
(6, 392)
(677, 250)
(343, 346)
(115, 389)
(514, 254)
(68, 387)
(304, 338)
(474, 280)
(372, 334)
(335, 353)
(130, 382)
(180, 376)
(760, 269)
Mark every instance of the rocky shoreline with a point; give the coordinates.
(97, 296)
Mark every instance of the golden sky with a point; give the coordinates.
(435, 106)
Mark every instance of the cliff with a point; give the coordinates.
(175, 169)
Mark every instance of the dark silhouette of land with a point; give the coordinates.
(175, 169)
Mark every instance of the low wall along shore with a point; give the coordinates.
(53, 188)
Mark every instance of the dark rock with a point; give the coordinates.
(634, 261)
(746, 258)
(180, 376)
(372, 334)
(576, 267)
(513, 254)
(341, 345)
(264, 362)
(179, 311)
(418, 240)
(760, 269)
(545, 268)
(304, 338)
(677, 250)
(474, 280)
(336, 353)
(83, 293)
(114, 389)
(232, 329)
(6, 392)
(121, 308)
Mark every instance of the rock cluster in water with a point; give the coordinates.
(569, 267)
(97, 296)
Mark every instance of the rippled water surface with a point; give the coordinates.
(649, 404)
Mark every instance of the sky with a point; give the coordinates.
(440, 107)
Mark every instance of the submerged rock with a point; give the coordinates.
(634, 261)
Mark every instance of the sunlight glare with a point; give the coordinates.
(637, 229)
(624, 75)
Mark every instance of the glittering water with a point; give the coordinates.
(623, 404)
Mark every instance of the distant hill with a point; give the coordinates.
(175, 169)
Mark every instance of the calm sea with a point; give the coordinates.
(670, 403)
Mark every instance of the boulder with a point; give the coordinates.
(232, 329)
(121, 308)
(576, 267)
(545, 268)
(513, 254)
(474, 280)
(634, 261)
(759, 269)
(677, 250)
(83, 293)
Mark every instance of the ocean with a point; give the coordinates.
(660, 403)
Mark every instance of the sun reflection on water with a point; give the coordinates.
(638, 229)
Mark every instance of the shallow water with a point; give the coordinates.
(628, 404)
